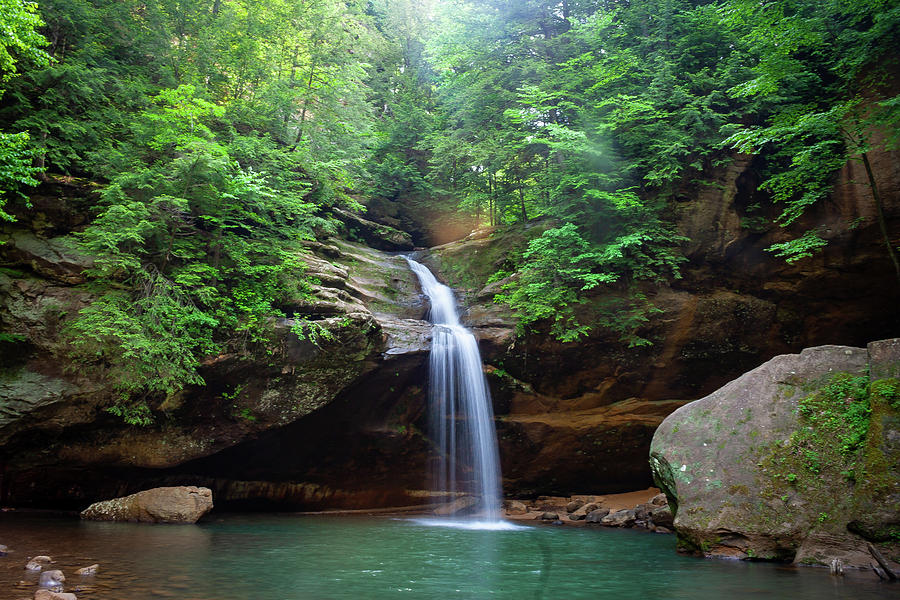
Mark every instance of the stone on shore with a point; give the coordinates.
(596, 516)
(515, 507)
(460, 506)
(182, 504)
(620, 518)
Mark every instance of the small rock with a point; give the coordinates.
(642, 512)
(557, 522)
(659, 500)
(48, 595)
(581, 513)
(52, 580)
(660, 529)
(514, 507)
(459, 506)
(596, 516)
(3, 550)
(89, 570)
(37, 563)
(620, 518)
(662, 516)
(574, 505)
(549, 516)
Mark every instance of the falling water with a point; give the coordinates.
(460, 405)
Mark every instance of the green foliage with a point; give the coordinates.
(133, 414)
(887, 391)
(222, 134)
(561, 263)
(793, 250)
(19, 37)
(821, 85)
(19, 40)
(16, 169)
(147, 344)
(840, 409)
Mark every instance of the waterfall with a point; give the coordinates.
(460, 405)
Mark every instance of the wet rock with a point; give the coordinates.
(89, 570)
(54, 258)
(37, 563)
(581, 513)
(620, 518)
(182, 504)
(661, 516)
(515, 507)
(3, 550)
(460, 506)
(661, 529)
(659, 500)
(642, 512)
(596, 516)
(52, 580)
(549, 516)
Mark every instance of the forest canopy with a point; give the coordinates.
(222, 133)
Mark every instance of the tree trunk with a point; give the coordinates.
(522, 203)
(879, 209)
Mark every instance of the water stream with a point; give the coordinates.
(462, 420)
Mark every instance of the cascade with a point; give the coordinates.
(460, 405)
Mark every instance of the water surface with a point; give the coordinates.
(280, 557)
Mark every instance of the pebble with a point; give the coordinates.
(89, 570)
(48, 595)
(37, 563)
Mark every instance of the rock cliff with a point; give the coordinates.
(580, 416)
(358, 393)
(342, 423)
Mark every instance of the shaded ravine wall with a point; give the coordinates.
(343, 425)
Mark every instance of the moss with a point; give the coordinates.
(834, 459)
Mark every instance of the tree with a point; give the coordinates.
(821, 75)
(19, 40)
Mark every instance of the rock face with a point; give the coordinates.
(183, 504)
(342, 424)
(580, 416)
(354, 398)
(797, 460)
(377, 235)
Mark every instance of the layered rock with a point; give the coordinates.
(796, 460)
(581, 415)
(360, 390)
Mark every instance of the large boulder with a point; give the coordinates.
(796, 460)
(181, 504)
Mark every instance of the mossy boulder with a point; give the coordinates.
(796, 460)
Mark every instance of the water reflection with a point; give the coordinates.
(270, 557)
